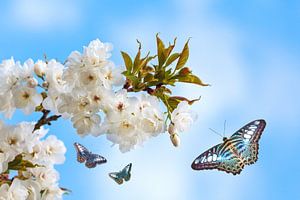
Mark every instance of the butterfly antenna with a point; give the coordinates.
(215, 132)
(224, 128)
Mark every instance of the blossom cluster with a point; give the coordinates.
(33, 157)
(86, 89)
(94, 94)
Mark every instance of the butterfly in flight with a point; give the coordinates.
(235, 152)
(123, 174)
(84, 155)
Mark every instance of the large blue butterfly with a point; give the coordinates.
(90, 159)
(234, 153)
(123, 174)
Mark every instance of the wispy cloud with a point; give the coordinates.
(247, 91)
(39, 16)
(214, 57)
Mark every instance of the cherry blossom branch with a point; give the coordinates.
(45, 120)
(149, 90)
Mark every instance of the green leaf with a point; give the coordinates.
(127, 61)
(168, 74)
(126, 73)
(17, 160)
(173, 103)
(144, 62)
(191, 79)
(165, 90)
(66, 191)
(19, 164)
(160, 51)
(133, 78)
(160, 75)
(168, 50)
(140, 86)
(172, 58)
(137, 60)
(183, 56)
(28, 164)
(179, 98)
(149, 77)
(147, 69)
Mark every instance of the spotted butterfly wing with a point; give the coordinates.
(246, 140)
(84, 155)
(234, 153)
(125, 174)
(219, 157)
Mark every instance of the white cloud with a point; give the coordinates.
(276, 86)
(151, 178)
(214, 56)
(35, 15)
(214, 52)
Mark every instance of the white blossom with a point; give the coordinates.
(112, 76)
(33, 189)
(53, 150)
(26, 99)
(45, 176)
(182, 118)
(120, 102)
(40, 68)
(3, 162)
(84, 90)
(52, 193)
(86, 122)
(20, 140)
(97, 53)
(100, 99)
(138, 120)
(15, 191)
(7, 104)
(53, 76)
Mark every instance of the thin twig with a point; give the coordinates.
(45, 120)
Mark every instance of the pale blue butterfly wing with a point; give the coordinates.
(116, 177)
(246, 140)
(218, 157)
(84, 155)
(234, 153)
(124, 174)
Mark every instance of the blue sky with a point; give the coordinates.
(247, 51)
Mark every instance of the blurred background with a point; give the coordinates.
(248, 52)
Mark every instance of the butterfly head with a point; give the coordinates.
(225, 139)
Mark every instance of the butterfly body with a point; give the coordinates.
(235, 152)
(84, 155)
(122, 175)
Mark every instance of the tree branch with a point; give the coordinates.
(45, 120)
